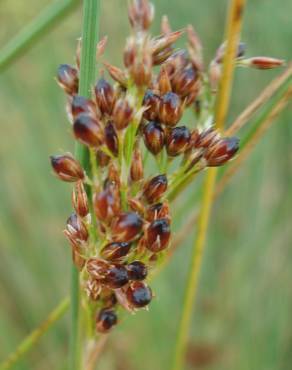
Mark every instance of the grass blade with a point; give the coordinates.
(48, 18)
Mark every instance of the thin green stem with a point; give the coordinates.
(44, 22)
(35, 335)
(91, 10)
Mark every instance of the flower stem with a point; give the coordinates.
(87, 75)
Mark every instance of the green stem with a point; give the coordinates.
(87, 77)
(48, 18)
(35, 335)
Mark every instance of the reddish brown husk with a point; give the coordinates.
(67, 168)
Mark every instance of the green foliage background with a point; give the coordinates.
(243, 315)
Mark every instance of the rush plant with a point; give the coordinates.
(136, 152)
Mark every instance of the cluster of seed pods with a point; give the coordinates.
(121, 224)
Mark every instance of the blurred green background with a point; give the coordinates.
(243, 314)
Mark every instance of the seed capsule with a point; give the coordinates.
(117, 74)
(155, 188)
(157, 211)
(161, 43)
(126, 227)
(122, 113)
(151, 101)
(107, 203)
(141, 14)
(139, 294)
(154, 137)
(82, 105)
(115, 251)
(207, 138)
(102, 158)
(185, 81)
(105, 96)
(137, 270)
(222, 151)
(170, 109)
(178, 141)
(116, 276)
(67, 77)
(158, 235)
(88, 130)
(111, 138)
(67, 168)
(176, 62)
(76, 228)
(136, 170)
(263, 62)
(105, 320)
(222, 48)
(80, 200)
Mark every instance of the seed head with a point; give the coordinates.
(126, 226)
(88, 130)
(105, 96)
(115, 251)
(185, 82)
(106, 320)
(222, 151)
(137, 270)
(122, 113)
(116, 276)
(170, 109)
(67, 168)
(154, 137)
(155, 188)
(178, 141)
(76, 228)
(151, 102)
(262, 62)
(158, 235)
(80, 104)
(67, 77)
(107, 203)
(97, 268)
(139, 294)
(164, 81)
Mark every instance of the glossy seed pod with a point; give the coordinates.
(155, 188)
(80, 104)
(67, 168)
(207, 138)
(76, 228)
(88, 130)
(106, 320)
(137, 170)
(158, 235)
(156, 211)
(111, 138)
(154, 137)
(107, 203)
(122, 113)
(137, 270)
(151, 103)
(178, 141)
(105, 96)
(222, 151)
(80, 200)
(184, 82)
(126, 226)
(170, 109)
(115, 251)
(139, 294)
(115, 277)
(67, 77)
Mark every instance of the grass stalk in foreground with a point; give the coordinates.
(91, 10)
(20, 43)
(233, 27)
(29, 341)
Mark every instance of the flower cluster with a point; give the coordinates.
(121, 224)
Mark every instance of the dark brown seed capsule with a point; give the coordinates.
(115, 251)
(151, 101)
(80, 200)
(222, 151)
(126, 227)
(141, 13)
(88, 130)
(156, 211)
(122, 114)
(136, 170)
(105, 96)
(67, 168)
(178, 141)
(102, 158)
(139, 294)
(116, 276)
(105, 320)
(158, 235)
(97, 268)
(185, 81)
(67, 77)
(170, 109)
(111, 138)
(108, 297)
(155, 188)
(76, 228)
(137, 270)
(107, 203)
(80, 104)
(154, 137)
